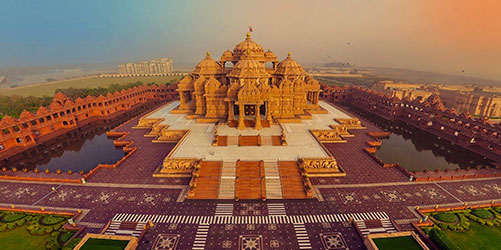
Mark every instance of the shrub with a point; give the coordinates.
(72, 244)
(445, 217)
(11, 225)
(10, 217)
(441, 239)
(482, 213)
(40, 231)
(3, 227)
(52, 220)
(497, 209)
(66, 235)
(20, 222)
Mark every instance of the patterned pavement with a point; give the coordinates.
(129, 193)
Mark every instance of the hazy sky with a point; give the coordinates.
(434, 35)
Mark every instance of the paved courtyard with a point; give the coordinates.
(198, 143)
(130, 193)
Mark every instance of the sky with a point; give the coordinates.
(445, 36)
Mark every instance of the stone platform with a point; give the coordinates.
(198, 143)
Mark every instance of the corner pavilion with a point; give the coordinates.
(247, 90)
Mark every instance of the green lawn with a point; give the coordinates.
(25, 232)
(478, 237)
(19, 238)
(397, 243)
(48, 89)
(103, 244)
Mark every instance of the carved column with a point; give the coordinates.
(268, 113)
(241, 114)
(182, 100)
(258, 117)
(230, 111)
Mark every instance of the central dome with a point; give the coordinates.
(247, 67)
(248, 45)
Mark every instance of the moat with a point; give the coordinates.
(418, 150)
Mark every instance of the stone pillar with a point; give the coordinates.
(182, 100)
(241, 114)
(230, 111)
(258, 117)
(268, 113)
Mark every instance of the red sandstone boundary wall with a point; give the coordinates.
(476, 135)
(63, 115)
(429, 115)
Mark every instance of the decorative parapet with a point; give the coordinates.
(350, 123)
(156, 130)
(170, 136)
(342, 130)
(147, 123)
(327, 135)
(322, 166)
(177, 167)
(179, 164)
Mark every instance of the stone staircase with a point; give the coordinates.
(249, 180)
(367, 227)
(291, 180)
(227, 183)
(272, 180)
(208, 182)
(125, 228)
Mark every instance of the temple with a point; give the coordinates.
(248, 90)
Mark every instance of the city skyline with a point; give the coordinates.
(445, 37)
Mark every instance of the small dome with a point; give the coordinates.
(248, 45)
(186, 83)
(227, 56)
(208, 66)
(289, 67)
(270, 56)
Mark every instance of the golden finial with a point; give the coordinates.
(248, 35)
(289, 54)
(207, 54)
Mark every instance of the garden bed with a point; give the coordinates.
(20, 230)
(466, 229)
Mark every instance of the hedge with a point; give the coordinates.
(445, 217)
(442, 241)
(482, 213)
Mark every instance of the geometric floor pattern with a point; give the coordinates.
(270, 219)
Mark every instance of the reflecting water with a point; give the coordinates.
(84, 155)
(415, 149)
(81, 149)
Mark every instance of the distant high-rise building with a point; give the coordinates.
(153, 67)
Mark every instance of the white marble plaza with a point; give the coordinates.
(198, 143)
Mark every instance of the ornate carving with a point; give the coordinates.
(171, 135)
(327, 135)
(350, 123)
(328, 163)
(179, 164)
(148, 122)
